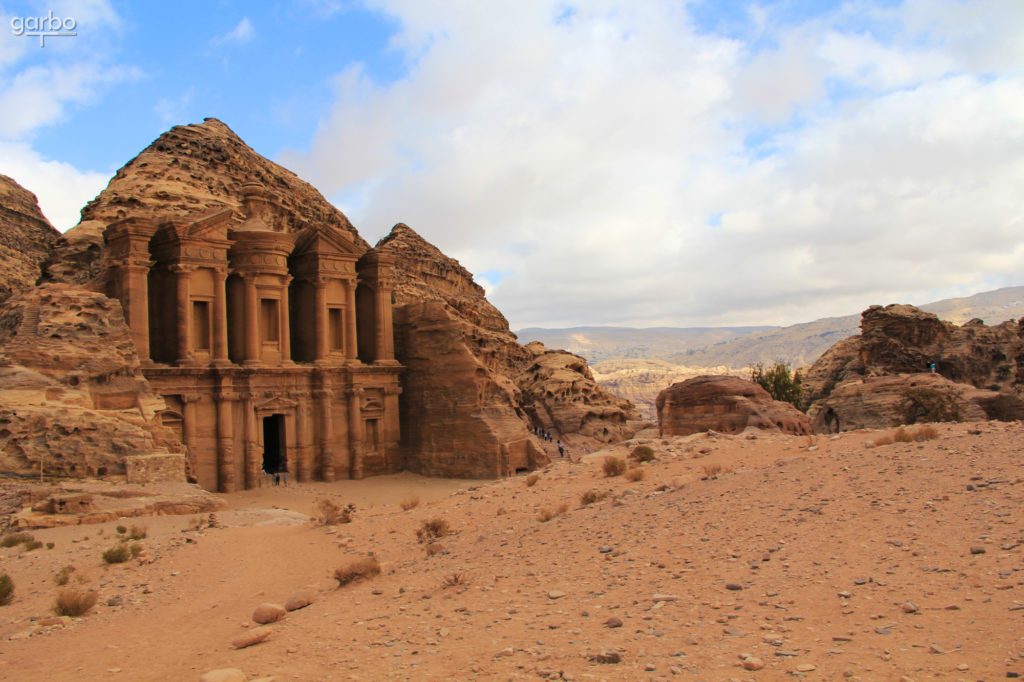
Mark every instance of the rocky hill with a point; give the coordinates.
(25, 238)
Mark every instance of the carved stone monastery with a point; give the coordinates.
(273, 349)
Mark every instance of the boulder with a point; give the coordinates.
(725, 404)
(301, 599)
(252, 637)
(268, 613)
(223, 675)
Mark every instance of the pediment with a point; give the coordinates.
(321, 240)
(276, 404)
(213, 225)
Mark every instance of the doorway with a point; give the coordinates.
(274, 459)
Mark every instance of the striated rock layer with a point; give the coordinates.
(25, 238)
(725, 404)
(981, 367)
(473, 396)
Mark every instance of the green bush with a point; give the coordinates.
(642, 453)
(779, 381)
(922, 404)
(6, 589)
(16, 539)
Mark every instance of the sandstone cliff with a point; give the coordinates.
(725, 404)
(72, 398)
(25, 238)
(189, 170)
(470, 386)
(903, 340)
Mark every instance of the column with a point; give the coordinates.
(220, 317)
(351, 340)
(320, 318)
(355, 430)
(182, 275)
(384, 330)
(325, 433)
(225, 441)
(304, 439)
(253, 460)
(252, 327)
(391, 427)
(284, 320)
(188, 429)
(135, 301)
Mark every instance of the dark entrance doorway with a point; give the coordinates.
(274, 460)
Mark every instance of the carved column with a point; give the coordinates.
(390, 428)
(253, 461)
(355, 431)
(285, 324)
(134, 287)
(252, 327)
(220, 317)
(304, 438)
(188, 430)
(384, 330)
(182, 281)
(320, 318)
(325, 433)
(225, 441)
(351, 340)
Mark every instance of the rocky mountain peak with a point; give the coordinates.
(25, 237)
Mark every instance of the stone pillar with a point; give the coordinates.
(253, 460)
(320, 319)
(285, 324)
(351, 340)
(182, 281)
(325, 433)
(225, 441)
(252, 326)
(188, 428)
(220, 317)
(304, 439)
(134, 288)
(390, 427)
(383, 329)
(355, 430)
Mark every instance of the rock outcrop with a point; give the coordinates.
(470, 389)
(900, 340)
(25, 238)
(72, 399)
(725, 404)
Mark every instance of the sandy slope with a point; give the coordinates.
(803, 556)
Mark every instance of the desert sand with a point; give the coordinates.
(816, 557)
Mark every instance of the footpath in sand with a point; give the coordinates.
(820, 558)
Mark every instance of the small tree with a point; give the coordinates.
(779, 381)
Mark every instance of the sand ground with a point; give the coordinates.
(822, 558)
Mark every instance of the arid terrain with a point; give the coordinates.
(814, 557)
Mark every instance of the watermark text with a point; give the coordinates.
(49, 26)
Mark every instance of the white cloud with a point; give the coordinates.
(240, 34)
(61, 188)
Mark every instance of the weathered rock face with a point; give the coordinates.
(725, 404)
(878, 402)
(71, 394)
(473, 395)
(900, 339)
(187, 171)
(25, 238)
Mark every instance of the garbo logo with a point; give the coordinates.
(44, 27)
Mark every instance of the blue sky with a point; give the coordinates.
(605, 162)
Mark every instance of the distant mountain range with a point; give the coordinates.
(638, 363)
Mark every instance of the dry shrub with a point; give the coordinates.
(434, 548)
(635, 474)
(917, 435)
(642, 453)
(34, 544)
(548, 514)
(883, 440)
(74, 602)
(613, 466)
(121, 530)
(410, 502)
(64, 575)
(455, 579)
(6, 589)
(330, 513)
(356, 570)
(592, 496)
(135, 549)
(712, 470)
(117, 555)
(432, 529)
(532, 479)
(138, 533)
(16, 539)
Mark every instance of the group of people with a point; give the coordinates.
(544, 435)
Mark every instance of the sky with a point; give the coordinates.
(657, 163)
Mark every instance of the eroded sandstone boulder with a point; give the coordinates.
(25, 238)
(725, 404)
